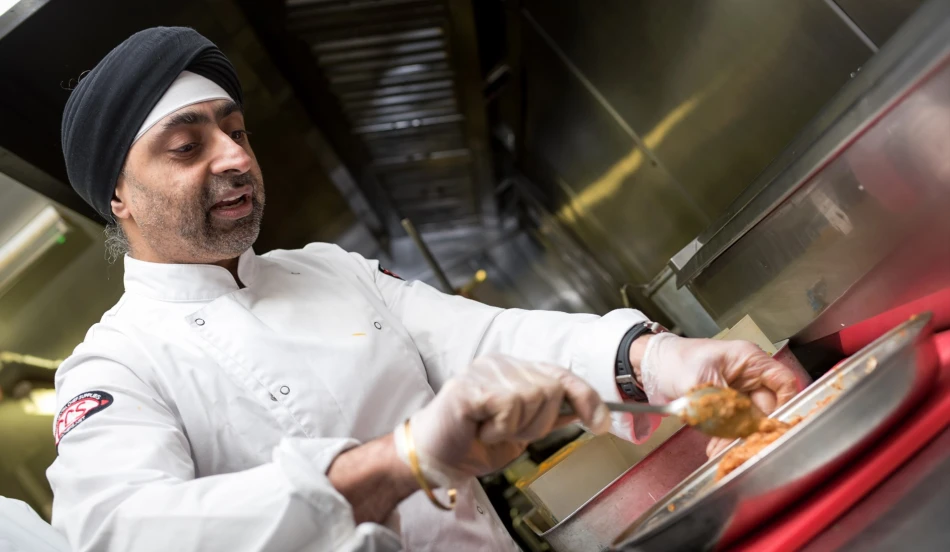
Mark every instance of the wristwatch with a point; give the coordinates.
(624, 371)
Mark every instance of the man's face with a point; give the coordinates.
(191, 190)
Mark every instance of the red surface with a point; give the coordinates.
(853, 338)
(812, 516)
(661, 470)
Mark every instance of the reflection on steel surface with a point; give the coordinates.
(874, 85)
(646, 120)
(879, 20)
(680, 305)
(867, 228)
(646, 219)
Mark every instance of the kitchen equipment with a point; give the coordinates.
(871, 498)
(566, 480)
(680, 305)
(868, 392)
(701, 408)
(678, 453)
(593, 525)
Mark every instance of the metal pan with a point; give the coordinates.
(871, 390)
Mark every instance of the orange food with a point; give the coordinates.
(769, 431)
(838, 384)
(727, 405)
(823, 402)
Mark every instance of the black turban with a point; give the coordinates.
(110, 104)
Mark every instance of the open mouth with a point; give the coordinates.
(232, 203)
(233, 207)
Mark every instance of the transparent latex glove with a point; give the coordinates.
(673, 365)
(485, 417)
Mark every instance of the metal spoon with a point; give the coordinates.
(716, 411)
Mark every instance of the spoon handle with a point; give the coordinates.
(634, 408)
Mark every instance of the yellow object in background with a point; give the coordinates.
(747, 330)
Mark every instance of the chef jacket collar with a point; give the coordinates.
(186, 282)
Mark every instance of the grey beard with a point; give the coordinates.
(205, 237)
(200, 236)
(116, 242)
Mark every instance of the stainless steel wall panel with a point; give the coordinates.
(715, 88)
(641, 214)
(887, 74)
(867, 232)
(879, 19)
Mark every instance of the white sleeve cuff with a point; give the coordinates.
(595, 360)
(595, 350)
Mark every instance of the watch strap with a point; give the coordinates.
(624, 371)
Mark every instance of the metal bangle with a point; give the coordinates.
(417, 473)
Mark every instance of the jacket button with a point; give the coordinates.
(200, 321)
(285, 390)
(479, 508)
(378, 325)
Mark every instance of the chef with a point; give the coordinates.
(305, 399)
(22, 530)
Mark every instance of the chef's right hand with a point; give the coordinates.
(485, 417)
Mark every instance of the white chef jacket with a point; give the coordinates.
(23, 530)
(225, 406)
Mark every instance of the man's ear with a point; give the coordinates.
(120, 199)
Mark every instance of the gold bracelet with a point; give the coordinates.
(417, 472)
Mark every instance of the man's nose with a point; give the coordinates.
(229, 156)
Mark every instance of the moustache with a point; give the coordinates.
(220, 186)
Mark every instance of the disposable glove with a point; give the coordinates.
(673, 365)
(485, 417)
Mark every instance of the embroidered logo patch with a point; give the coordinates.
(389, 273)
(78, 409)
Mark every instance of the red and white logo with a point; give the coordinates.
(78, 409)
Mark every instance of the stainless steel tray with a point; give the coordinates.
(593, 526)
(872, 389)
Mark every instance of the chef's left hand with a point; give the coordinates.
(672, 365)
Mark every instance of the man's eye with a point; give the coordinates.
(187, 148)
(239, 135)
